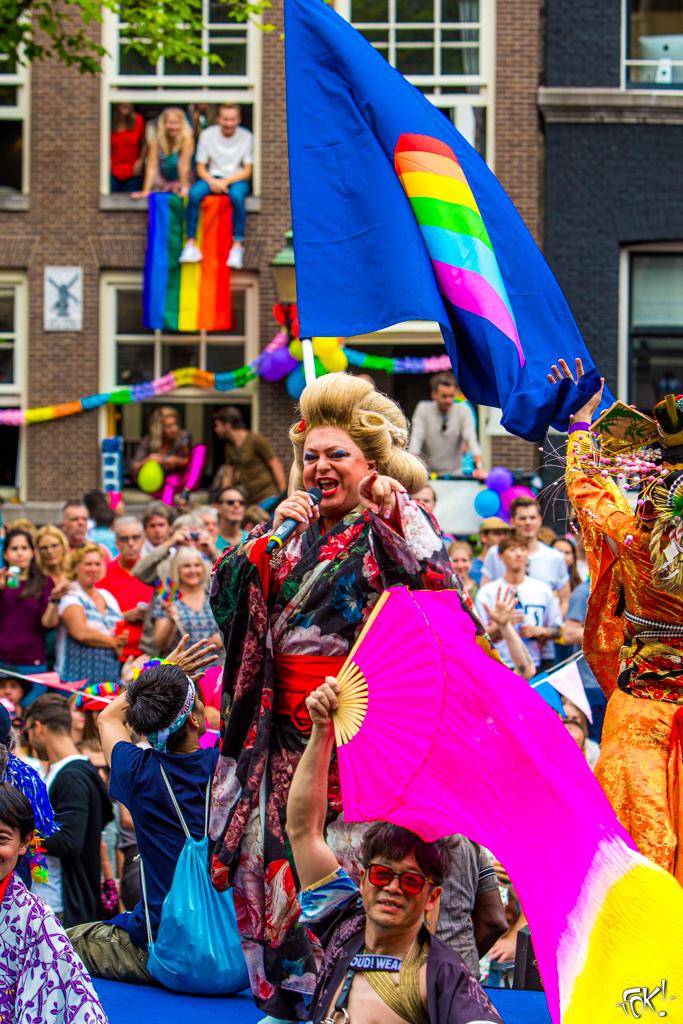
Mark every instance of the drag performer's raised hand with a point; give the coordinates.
(377, 493)
(296, 506)
(560, 371)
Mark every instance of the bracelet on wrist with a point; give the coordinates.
(578, 425)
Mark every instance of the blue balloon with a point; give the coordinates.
(296, 382)
(487, 503)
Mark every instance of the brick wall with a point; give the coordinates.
(583, 41)
(518, 75)
(63, 223)
(586, 223)
(276, 408)
(518, 146)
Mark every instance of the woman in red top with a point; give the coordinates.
(128, 148)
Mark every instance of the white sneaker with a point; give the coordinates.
(191, 253)
(236, 257)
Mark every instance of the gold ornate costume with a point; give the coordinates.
(633, 641)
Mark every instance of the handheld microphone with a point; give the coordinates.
(288, 526)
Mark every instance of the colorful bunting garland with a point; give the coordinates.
(190, 376)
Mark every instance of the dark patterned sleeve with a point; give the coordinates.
(454, 995)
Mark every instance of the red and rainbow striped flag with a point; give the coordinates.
(187, 296)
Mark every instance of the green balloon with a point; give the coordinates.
(150, 477)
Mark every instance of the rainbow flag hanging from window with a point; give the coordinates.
(187, 296)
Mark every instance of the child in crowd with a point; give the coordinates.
(42, 978)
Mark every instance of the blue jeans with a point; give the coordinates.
(127, 185)
(238, 193)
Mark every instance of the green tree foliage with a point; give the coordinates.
(33, 30)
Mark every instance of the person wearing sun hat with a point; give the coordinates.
(492, 529)
(633, 635)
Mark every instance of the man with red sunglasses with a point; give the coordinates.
(380, 962)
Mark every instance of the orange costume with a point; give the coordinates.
(633, 637)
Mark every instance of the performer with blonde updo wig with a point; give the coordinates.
(289, 620)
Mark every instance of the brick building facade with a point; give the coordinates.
(612, 107)
(66, 218)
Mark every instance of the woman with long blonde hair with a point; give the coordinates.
(52, 553)
(165, 442)
(290, 619)
(169, 162)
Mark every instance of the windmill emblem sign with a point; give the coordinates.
(63, 299)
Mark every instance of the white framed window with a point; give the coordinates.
(14, 106)
(652, 44)
(13, 333)
(131, 354)
(651, 335)
(444, 47)
(128, 78)
(13, 357)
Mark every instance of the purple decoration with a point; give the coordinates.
(276, 365)
(499, 479)
(518, 491)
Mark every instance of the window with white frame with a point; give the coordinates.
(654, 44)
(655, 359)
(13, 121)
(444, 47)
(197, 89)
(132, 353)
(13, 313)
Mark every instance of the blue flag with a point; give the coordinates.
(396, 217)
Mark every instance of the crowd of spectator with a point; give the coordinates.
(105, 590)
(182, 152)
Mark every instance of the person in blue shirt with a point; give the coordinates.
(163, 705)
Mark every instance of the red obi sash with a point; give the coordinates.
(297, 675)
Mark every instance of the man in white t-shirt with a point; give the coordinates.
(545, 563)
(539, 618)
(225, 159)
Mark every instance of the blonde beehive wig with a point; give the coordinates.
(371, 419)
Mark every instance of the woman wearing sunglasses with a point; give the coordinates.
(379, 960)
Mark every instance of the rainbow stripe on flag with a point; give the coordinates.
(187, 296)
(454, 231)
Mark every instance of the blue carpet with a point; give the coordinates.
(127, 1003)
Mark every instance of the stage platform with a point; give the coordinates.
(126, 1004)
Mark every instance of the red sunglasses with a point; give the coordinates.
(410, 882)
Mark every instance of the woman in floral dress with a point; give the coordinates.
(290, 619)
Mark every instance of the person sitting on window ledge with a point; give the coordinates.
(127, 148)
(224, 165)
(170, 155)
(166, 443)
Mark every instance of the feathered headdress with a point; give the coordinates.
(641, 450)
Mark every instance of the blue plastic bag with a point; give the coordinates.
(197, 949)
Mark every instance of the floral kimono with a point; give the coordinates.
(287, 622)
(41, 978)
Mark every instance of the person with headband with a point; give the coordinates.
(288, 620)
(164, 705)
(41, 978)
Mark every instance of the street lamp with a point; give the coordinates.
(284, 273)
